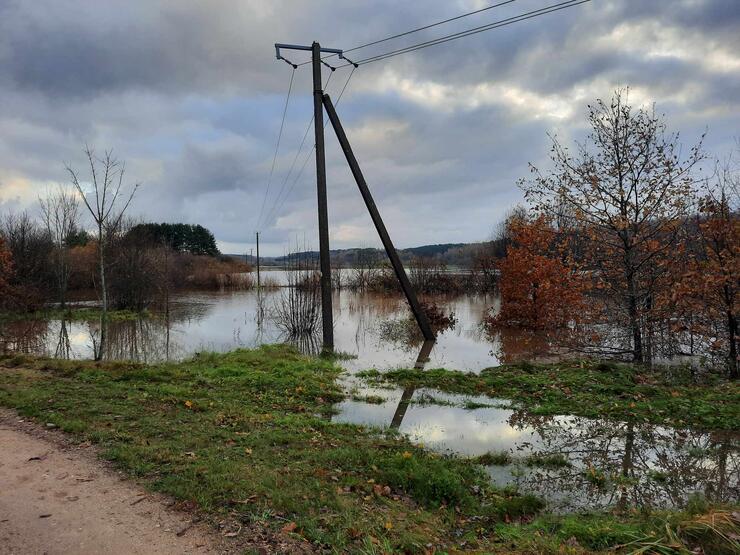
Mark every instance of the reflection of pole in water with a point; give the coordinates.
(259, 318)
(423, 358)
(63, 346)
(403, 405)
(408, 393)
(167, 323)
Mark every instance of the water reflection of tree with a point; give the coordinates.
(515, 344)
(142, 339)
(629, 464)
(308, 344)
(24, 336)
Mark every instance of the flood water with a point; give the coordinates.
(593, 463)
(598, 463)
(375, 329)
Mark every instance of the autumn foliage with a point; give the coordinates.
(709, 287)
(6, 271)
(540, 287)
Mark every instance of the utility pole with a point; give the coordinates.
(327, 318)
(321, 101)
(258, 261)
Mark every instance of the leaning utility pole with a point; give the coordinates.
(421, 318)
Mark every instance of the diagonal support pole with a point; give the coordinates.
(421, 318)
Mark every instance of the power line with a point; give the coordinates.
(429, 26)
(308, 157)
(423, 28)
(475, 30)
(277, 146)
(419, 46)
(297, 154)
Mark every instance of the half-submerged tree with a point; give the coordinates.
(107, 201)
(540, 287)
(628, 187)
(710, 286)
(59, 211)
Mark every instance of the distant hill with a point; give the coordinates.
(452, 254)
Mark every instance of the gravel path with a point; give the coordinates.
(56, 497)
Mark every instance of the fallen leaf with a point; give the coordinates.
(288, 528)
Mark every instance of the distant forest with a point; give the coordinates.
(450, 254)
(193, 239)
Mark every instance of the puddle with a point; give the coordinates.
(579, 463)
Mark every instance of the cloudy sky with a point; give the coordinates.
(190, 95)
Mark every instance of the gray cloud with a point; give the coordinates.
(189, 93)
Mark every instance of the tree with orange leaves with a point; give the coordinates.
(6, 271)
(709, 288)
(540, 287)
(628, 188)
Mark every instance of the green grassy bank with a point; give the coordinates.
(73, 314)
(249, 434)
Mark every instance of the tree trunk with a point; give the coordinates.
(104, 298)
(637, 355)
(732, 332)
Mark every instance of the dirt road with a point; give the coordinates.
(58, 499)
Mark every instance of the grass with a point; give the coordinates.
(504, 458)
(547, 460)
(74, 314)
(369, 399)
(679, 533)
(246, 434)
(590, 389)
(493, 458)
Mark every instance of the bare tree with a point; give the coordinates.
(107, 202)
(60, 214)
(629, 187)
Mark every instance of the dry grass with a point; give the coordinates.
(218, 273)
